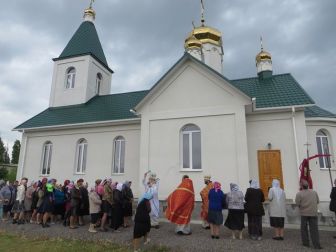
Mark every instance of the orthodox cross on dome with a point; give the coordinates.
(202, 13)
(91, 2)
(261, 43)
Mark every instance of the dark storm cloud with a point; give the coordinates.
(143, 38)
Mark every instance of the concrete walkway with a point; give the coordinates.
(200, 239)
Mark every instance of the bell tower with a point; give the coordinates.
(81, 71)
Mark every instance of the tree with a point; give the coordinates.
(3, 173)
(16, 152)
(2, 152)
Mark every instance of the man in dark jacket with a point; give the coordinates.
(332, 206)
(307, 201)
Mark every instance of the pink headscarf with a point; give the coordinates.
(114, 185)
(217, 186)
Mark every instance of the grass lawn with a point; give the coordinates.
(10, 242)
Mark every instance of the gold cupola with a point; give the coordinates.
(206, 34)
(192, 43)
(264, 62)
(89, 13)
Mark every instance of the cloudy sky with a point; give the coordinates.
(143, 38)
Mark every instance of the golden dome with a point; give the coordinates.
(263, 55)
(192, 42)
(207, 34)
(89, 12)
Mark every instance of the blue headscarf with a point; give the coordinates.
(147, 195)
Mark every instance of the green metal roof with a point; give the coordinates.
(316, 111)
(99, 108)
(85, 41)
(275, 91)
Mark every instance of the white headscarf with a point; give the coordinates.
(276, 189)
(119, 186)
(254, 184)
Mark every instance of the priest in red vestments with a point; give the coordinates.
(180, 206)
(205, 201)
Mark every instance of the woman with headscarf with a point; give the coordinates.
(95, 203)
(254, 199)
(277, 209)
(127, 203)
(107, 200)
(116, 210)
(215, 215)
(332, 206)
(235, 218)
(142, 222)
(28, 201)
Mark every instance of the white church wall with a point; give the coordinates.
(99, 153)
(193, 96)
(321, 177)
(277, 129)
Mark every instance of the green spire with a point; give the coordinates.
(85, 41)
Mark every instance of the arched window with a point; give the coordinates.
(119, 155)
(99, 80)
(81, 154)
(191, 151)
(323, 148)
(70, 78)
(46, 158)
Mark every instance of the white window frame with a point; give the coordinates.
(189, 133)
(116, 168)
(70, 78)
(99, 80)
(46, 159)
(81, 156)
(320, 136)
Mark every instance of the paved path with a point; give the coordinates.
(199, 241)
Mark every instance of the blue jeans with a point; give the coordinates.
(1, 212)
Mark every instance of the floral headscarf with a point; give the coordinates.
(217, 186)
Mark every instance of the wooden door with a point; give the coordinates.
(269, 168)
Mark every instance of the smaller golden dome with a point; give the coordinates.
(263, 55)
(90, 12)
(192, 42)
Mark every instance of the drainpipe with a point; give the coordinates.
(295, 140)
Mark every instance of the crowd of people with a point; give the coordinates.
(110, 204)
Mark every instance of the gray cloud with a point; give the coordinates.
(142, 39)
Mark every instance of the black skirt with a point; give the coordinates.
(277, 222)
(46, 206)
(235, 219)
(215, 217)
(127, 209)
(116, 217)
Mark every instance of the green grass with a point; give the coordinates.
(10, 242)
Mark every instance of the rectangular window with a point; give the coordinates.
(191, 150)
(196, 151)
(186, 151)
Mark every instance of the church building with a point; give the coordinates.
(192, 121)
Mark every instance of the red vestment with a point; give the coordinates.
(181, 203)
(205, 200)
